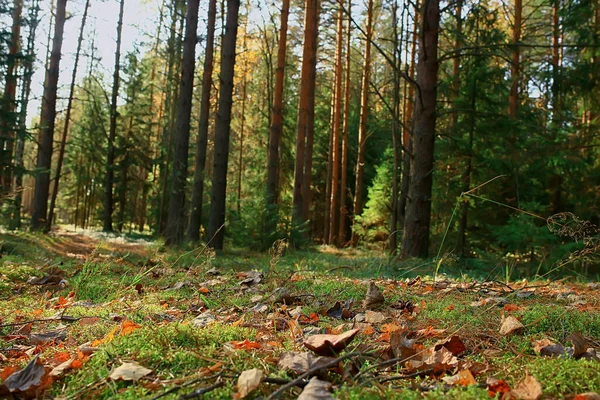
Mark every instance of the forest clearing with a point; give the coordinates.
(130, 320)
(305, 199)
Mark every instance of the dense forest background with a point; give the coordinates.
(464, 128)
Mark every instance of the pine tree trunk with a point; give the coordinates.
(516, 61)
(418, 214)
(396, 138)
(218, 204)
(176, 219)
(47, 120)
(341, 237)
(303, 104)
(276, 128)
(193, 233)
(362, 129)
(337, 118)
(63, 141)
(461, 247)
(110, 157)
(8, 105)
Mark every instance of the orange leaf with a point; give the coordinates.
(60, 358)
(61, 302)
(450, 307)
(246, 345)
(76, 364)
(110, 336)
(203, 290)
(389, 328)
(314, 317)
(274, 344)
(38, 312)
(368, 330)
(128, 326)
(511, 307)
(384, 337)
(88, 321)
(8, 371)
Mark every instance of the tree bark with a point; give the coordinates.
(337, 116)
(8, 106)
(276, 128)
(63, 141)
(396, 137)
(362, 129)
(341, 237)
(110, 157)
(176, 219)
(516, 60)
(418, 216)
(303, 104)
(47, 120)
(218, 204)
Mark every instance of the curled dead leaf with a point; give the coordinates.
(130, 371)
(374, 297)
(316, 389)
(328, 345)
(248, 381)
(511, 325)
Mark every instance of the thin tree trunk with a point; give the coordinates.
(303, 103)
(337, 119)
(456, 65)
(176, 220)
(341, 237)
(8, 123)
(193, 233)
(418, 215)
(63, 141)
(362, 129)
(556, 64)
(461, 247)
(223, 129)
(516, 60)
(276, 128)
(242, 116)
(396, 138)
(328, 180)
(110, 157)
(47, 120)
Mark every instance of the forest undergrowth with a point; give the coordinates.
(104, 317)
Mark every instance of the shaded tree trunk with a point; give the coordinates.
(9, 116)
(110, 157)
(337, 116)
(47, 120)
(396, 137)
(341, 237)
(218, 204)
(176, 219)
(418, 214)
(516, 60)
(461, 247)
(276, 129)
(63, 141)
(362, 129)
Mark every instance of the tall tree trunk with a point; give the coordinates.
(409, 101)
(341, 237)
(193, 233)
(176, 220)
(8, 105)
(362, 129)
(461, 247)
(456, 65)
(396, 137)
(276, 128)
(418, 215)
(243, 114)
(110, 157)
(556, 64)
(218, 204)
(337, 117)
(47, 120)
(516, 60)
(63, 141)
(310, 117)
(310, 17)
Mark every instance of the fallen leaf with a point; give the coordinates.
(130, 371)
(511, 307)
(587, 396)
(511, 325)
(327, 345)
(300, 362)
(316, 389)
(528, 389)
(245, 344)
(86, 321)
(62, 368)
(430, 332)
(374, 297)
(462, 378)
(374, 317)
(204, 319)
(55, 335)
(495, 385)
(580, 344)
(402, 347)
(128, 326)
(546, 347)
(30, 376)
(455, 345)
(248, 381)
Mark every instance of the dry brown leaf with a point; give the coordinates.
(328, 345)
(528, 389)
(300, 362)
(580, 344)
(316, 390)
(511, 325)
(62, 368)
(462, 378)
(30, 376)
(374, 297)
(130, 371)
(455, 345)
(587, 396)
(248, 381)
(374, 317)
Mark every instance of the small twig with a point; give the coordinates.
(67, 318)
(199, 392)
(340, 267)
(406, 376)
(192, 382)
(310, 372)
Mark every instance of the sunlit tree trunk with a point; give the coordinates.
(110, 154)
(176, 219)
(337, 118)
(415, 241)
(396, 137)
(276, 129)
(362, 129)
(47, 120)
(63, 141)
(218, 204)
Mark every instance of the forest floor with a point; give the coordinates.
(93, 316)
